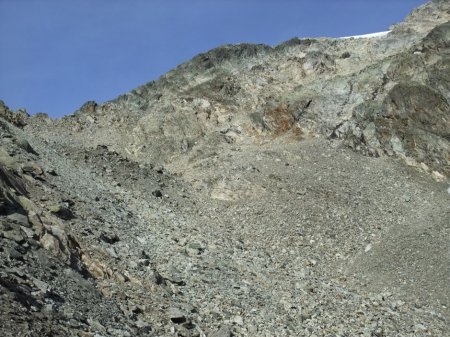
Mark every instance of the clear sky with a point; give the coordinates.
(57, 54)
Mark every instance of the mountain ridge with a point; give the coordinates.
(296, 190)
(230, 69)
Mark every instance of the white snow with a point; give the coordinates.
(448, 190)
(367, 36)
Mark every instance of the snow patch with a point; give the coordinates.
(367, 36)
(448, 190)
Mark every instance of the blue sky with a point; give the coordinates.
(57, 54)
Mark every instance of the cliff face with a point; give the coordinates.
(382, 96)
(252, 191)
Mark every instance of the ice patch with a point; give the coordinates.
(367, 36)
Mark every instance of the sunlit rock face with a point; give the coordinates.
(294, 190)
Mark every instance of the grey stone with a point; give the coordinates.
(224, 331)
(19, 218)
(62, 211)
(194, 248)
(176, 315)
(13, 235)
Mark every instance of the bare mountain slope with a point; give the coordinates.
(386, 95)
(296, 190)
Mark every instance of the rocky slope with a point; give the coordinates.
(296, 190)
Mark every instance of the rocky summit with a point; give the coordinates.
(295, 190)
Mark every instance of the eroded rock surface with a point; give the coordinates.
(296, 190)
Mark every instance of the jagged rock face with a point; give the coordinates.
(19, 118)
(252, 191)
(335, 88)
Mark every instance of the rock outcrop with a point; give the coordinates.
(338, 88)
(295, 190)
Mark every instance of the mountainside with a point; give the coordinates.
(296, 190)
